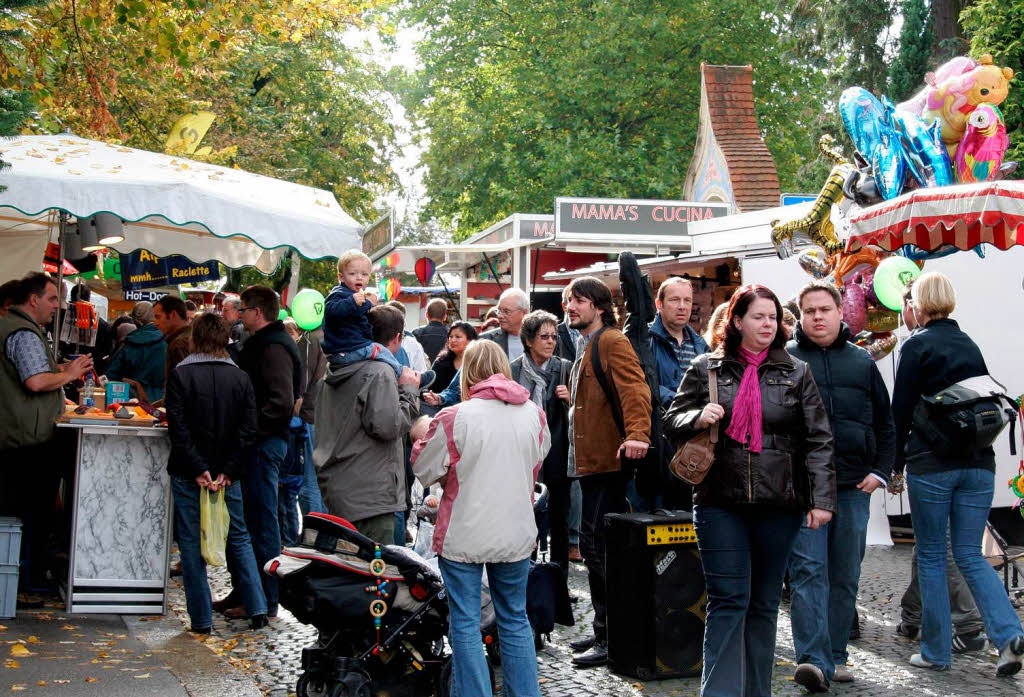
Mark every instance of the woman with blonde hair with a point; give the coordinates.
(486, 452)
(718, 318)
(949, 489)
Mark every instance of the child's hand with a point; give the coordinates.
(360, 298)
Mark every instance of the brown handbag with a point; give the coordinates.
(693, 460)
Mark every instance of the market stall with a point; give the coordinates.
(136, 200)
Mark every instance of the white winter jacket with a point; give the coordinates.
(486, 453)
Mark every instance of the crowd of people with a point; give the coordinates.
(807, 433)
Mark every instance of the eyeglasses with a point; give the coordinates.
(245, 309)
(514, 310)
(547, 337)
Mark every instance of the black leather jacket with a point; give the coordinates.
(794, 468)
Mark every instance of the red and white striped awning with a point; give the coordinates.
(963, 216)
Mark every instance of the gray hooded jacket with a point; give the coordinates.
(362, 417)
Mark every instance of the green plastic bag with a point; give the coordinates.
(213, 526)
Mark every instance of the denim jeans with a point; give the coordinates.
(602, 494)
(960, 501)
(259, 489)
(288, 516)
(744, 551)
(508, 592)
(965, 615)
(825, 563)
(310, 499)
(575, 512)
(193, 566)
(370, 352)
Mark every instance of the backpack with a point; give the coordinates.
(966, 417)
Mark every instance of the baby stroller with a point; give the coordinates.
(381, 612)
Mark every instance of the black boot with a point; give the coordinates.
(597, 655)
(583, 644)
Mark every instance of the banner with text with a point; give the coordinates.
(141, 269)
(626, 222)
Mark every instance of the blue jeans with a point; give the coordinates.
(575, 512)
(310, 499)
(960, 501)
(259, 489)
(370, 352)
(518, 656)
(193, 566)
(825, 563)
(744, 551)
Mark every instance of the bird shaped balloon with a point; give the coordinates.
(984, 144)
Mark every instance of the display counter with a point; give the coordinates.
(121, 516)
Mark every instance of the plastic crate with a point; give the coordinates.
(8, 590)
(10, 540)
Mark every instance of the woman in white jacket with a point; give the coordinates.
(486, 453)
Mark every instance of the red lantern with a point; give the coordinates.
(425, 270)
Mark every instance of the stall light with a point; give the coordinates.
(109, 229)
(87, 235)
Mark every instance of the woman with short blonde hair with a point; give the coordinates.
(934, 295)
(481, 360)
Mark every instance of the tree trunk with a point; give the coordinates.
(949, 37)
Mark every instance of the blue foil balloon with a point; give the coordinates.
(872, 133)
(927, 158)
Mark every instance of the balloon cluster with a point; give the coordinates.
(389, 288)
(871, 284)
(951, 131)
(391, 261)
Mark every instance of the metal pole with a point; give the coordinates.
(62, 224)
(494, 271)
(449, 293)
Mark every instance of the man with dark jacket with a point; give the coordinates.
(272, 361)
(597, 440)
(362, 418)
(433, 335)
(170, 315)
(143, 357)
(825, 564)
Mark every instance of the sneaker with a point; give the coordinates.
(910, 631)
(971, 641)
(919, 661)
(1010, 658)
(427, 379)
(810, 677)
(842, 674)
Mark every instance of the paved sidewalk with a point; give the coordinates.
(878, 660)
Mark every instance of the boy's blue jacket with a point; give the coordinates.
(346, 326)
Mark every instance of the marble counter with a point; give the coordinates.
(121, 521)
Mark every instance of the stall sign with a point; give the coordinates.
(625, 222)
(793, 199)
(147, 295)
(379, 238)
(536, 227)
(142, 269)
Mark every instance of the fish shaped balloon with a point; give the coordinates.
(927, 158)
(814, 262)
(983, 147)
(871, 130)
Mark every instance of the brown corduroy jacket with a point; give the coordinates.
(596, 438)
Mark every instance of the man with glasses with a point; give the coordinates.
(513, 304)
(272, 361)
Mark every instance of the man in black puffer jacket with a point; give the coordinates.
(824, 568)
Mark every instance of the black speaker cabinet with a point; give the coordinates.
(657, 602)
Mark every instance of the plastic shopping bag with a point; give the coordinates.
(213, 526)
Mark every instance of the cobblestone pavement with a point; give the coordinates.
(878, 660)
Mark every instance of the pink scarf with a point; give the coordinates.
(746, 410)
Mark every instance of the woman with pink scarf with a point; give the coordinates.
(772, 473)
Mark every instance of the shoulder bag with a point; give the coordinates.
(693, 460)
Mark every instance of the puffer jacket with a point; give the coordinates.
(794, 469)
(486, 453)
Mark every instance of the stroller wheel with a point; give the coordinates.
(309, 687)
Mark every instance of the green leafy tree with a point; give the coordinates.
(15, 105)
(996, 27)
(518, 102)
(906, 76)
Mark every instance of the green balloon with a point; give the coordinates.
(308, 309)
(891, 279)
(282, 313)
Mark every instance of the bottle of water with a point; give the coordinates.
(88, 392)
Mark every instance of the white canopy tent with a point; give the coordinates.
(170, 205)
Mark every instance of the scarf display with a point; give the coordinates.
(746, 410)
(535, 379)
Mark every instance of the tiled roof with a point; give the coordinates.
(729, 92)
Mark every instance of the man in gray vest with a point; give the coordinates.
(31, 397)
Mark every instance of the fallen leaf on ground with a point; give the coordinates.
(141, 677)
(11, 663)
(103, 654)
(78, 635)
(33, 640)
(92, 679)
(18, 688)
(69, 627)
(61, 682)
(41, 683)
(3, 628)
(20, 650)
